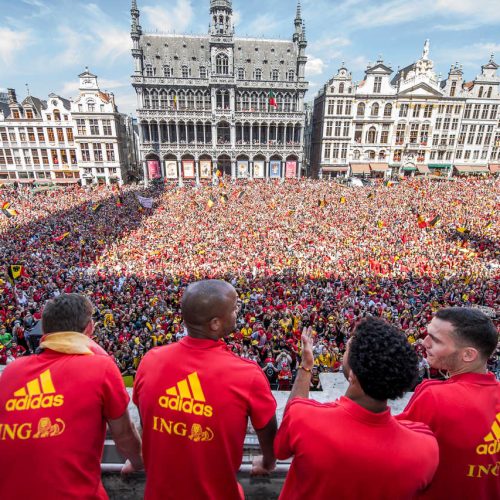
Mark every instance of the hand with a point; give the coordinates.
(261, 469)
(307, 348)
(128, 468)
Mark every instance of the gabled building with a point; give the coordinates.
(219, 102)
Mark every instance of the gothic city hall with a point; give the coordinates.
(217, 104)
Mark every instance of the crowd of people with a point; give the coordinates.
(300, 254)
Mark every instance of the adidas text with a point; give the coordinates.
(185, 405)
(34, 402)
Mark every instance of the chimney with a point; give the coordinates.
(11, 93)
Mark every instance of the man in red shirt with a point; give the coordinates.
(355, 438)
(195, 397)
(464, 410)
(54, 407)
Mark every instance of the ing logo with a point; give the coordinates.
(187, 396)
(38, 393)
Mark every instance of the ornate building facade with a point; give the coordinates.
(219, 102)
(413, 123)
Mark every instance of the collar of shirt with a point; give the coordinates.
(194, 343)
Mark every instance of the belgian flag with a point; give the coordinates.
(218, 173)
(223, 198)
(380, 224)
(433, 222)
(389, 183)
(119, 201)
(8, 212)
(210, 203)
(62, 237)
(422, 224)
(96, 207)
(15, 271)
(322, 203)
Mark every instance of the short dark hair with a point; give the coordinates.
(382, 359)
(69, 312)
(471, 327)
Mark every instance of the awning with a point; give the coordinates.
(440, 165)
(494, 168)
(379, 167)
(360, 168)
(335, 168)
(26, 181)
(423, 169)
(472, 169)
(65, 181)
(409, 168)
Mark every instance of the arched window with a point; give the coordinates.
(361, 109)
(355, 154)
(190, 100)
(480, 92)
(341, 88)
(288, 101)
(246, 102)
(222, 64)
(154, 99)
(147, 102)
(241, 74)
(253, 102)
(199, 100)
(258, 74)
(238, 102)
(262, 102)
(489, 91)
(274, 75)
(57, 114)
(388, 110)
(163, 100)
(371, 136)
(375, 109)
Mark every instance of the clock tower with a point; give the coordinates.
(88, 81)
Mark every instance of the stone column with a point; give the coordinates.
(233, 169)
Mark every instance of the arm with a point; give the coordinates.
(265, 463)
(127, 441)
(302, 382)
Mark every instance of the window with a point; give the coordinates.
(384, 138)
(241, 74)
(163, 100)
(388, 111)
(416, 110)
(375, 109)
(94, 127)
(403, 110)
(446, 123)
(327, 154)
(91, 105)
(480, 92)
(453, 89)
(361, 109)
(154, 99)
(69, 133)
(454, 124)
(331, 106)
(106, 127)
(494, 111)
(400, 133)
(80, 126)
(371, 136)
(274, 75)
(329, 128)
(221, 64)
(31, 134)
(29, 114)
(348, 107)
(341, 88)
(428, 111)
(185, 72)
(167, 71)
(340, 105)
(291, 75)
(97, 152)
(377, 85)
(489, 92)
(149, 70)
(203, 72)
(468, 110)
(338, 126)
(41, 137)
(85, 152)
(346, 129)
(484, 113)
(60, 135)
(16, 114)
(110, 152)
(477, 109)
(258, 74)
(439, 122)
(3, 135)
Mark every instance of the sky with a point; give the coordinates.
(47, 43)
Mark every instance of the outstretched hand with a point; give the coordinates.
(307, 348)
(261, 469)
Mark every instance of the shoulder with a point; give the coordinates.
(299, 406)
(418, 429)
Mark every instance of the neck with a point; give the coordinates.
(202, 335)
(480, 368)
(368, 403)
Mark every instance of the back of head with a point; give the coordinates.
(68, 312)
(472, 328)
(204, 300)
(382, 359)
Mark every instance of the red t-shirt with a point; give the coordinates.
(194, 398)
(464, 414)
(53, 412)
(365, 454)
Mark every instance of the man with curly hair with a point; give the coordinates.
(464, 410)
(355, 438)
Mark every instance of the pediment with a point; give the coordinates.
(420, 90)
(379, 68)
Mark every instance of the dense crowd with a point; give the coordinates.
(300, 253)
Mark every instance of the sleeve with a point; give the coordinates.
(421, 407)
(282, 442)
(261, 401)
(115, 397)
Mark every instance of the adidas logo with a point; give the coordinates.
(38, 393)
(491, 444)
(187, 396)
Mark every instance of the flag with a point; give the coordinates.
(8, 212)
(62, 237)
(322, 203)
(218, 173)
(421, 222)
(221, 183)
(461, 229)
(145, 202)
(433, 222)
(223, 198)
(15, 271)
(210, 202)
(96, 207)
(380, 224)
(175, 102)
(272, 99)
(488, 224)
(389, 183)
(290, 212)
(119, 201)
(342, 199)
(370, 195)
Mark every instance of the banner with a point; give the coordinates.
(242, 169)
(205, 169)
(291, 169)
(188, 169)
(171, 169)
(145, 202)
(275, 169)
(258, 169)
(154, 169)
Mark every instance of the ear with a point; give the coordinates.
(352, 379)
(89, 329)
(470, 354)
(214, 324)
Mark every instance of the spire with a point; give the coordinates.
(298, 15)
(221, 17)
(425, 52)
(134, 13)
(297, 35)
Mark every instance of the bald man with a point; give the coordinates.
(195, 397)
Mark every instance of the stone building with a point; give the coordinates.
(218, 101)
(413, 123)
